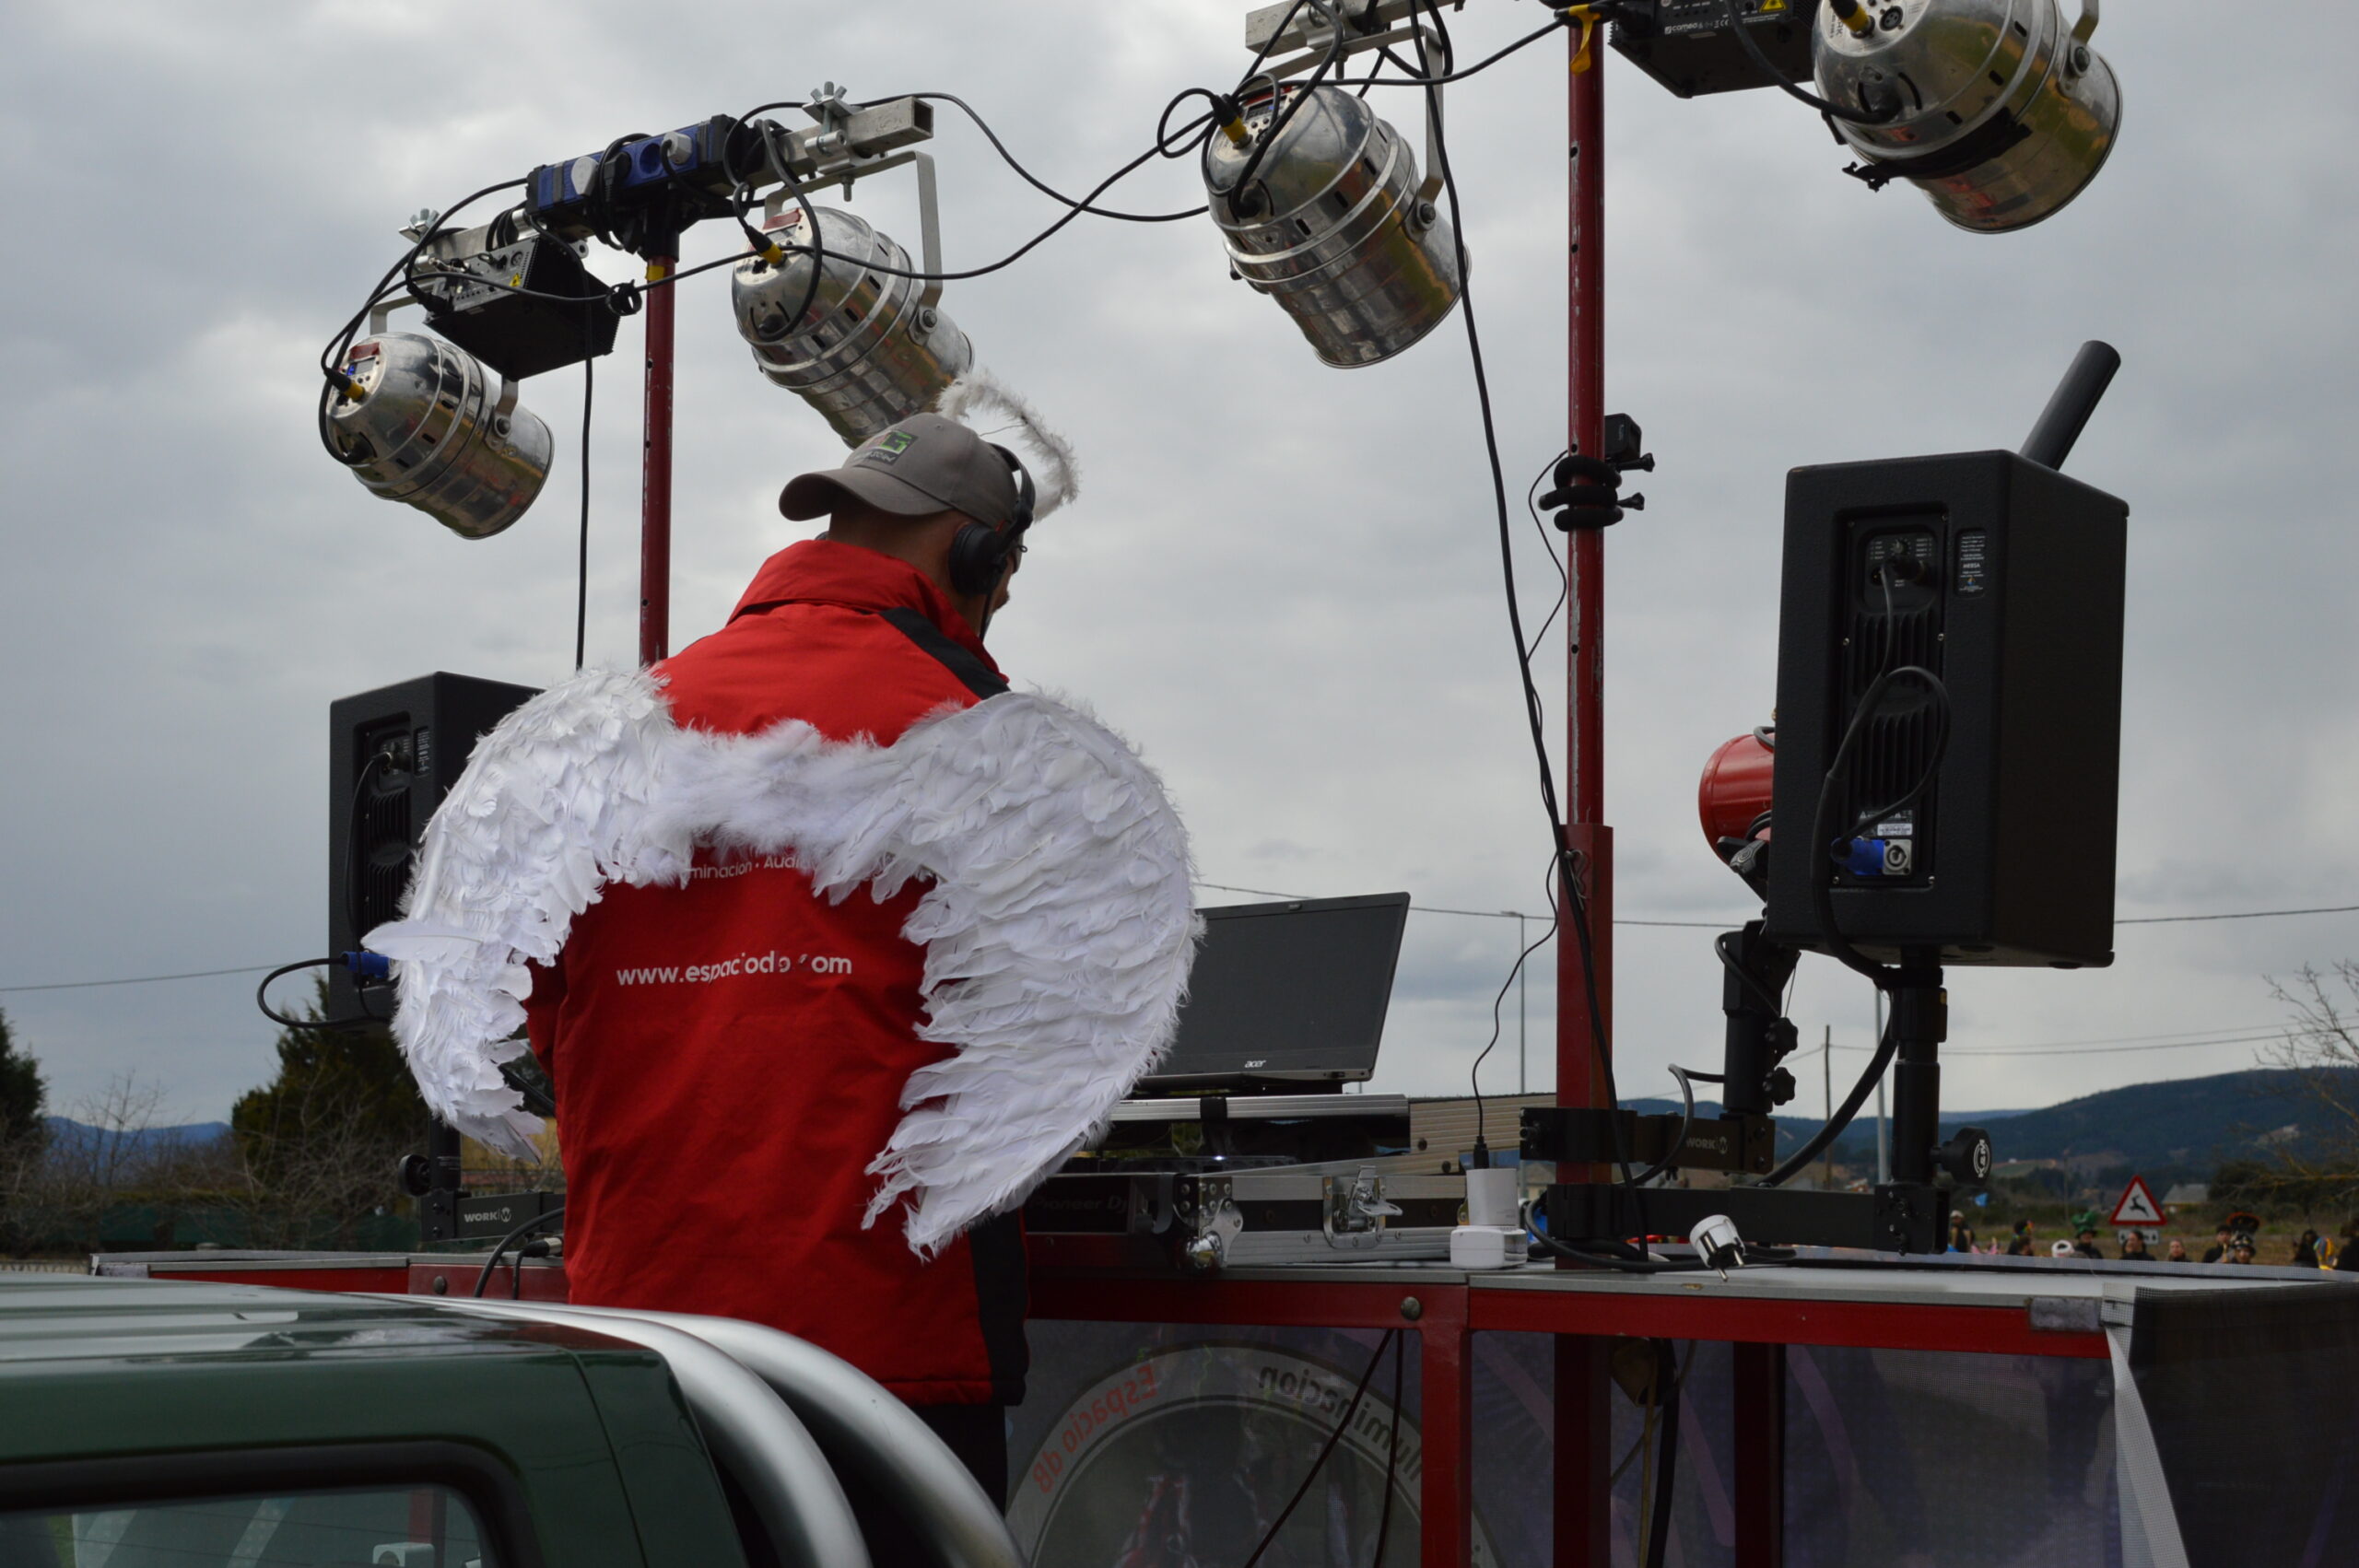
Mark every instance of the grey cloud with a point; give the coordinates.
(1284, 582)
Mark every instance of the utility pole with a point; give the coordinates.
(1883, 1128)
(1523, 978)
(1826, 1063)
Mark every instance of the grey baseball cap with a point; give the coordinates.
(924, 464)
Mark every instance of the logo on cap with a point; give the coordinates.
(888, 449)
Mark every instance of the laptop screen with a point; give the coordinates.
(1291, 993)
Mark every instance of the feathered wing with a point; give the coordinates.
(1058, 935)
(551, 807)
(1058, 930)
(1056, 472)
(1059, 927)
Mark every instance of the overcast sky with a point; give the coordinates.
(1283, 580)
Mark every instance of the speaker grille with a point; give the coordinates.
(384, 856)
(1895, 745)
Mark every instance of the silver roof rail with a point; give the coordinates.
(788, 1481)
(857, 1420)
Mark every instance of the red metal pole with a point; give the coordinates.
(1583, 1385)
(655, 473)
(1579, 1082)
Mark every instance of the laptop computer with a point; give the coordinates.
(1287, 998)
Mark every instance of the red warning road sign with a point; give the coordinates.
(2137, 1208)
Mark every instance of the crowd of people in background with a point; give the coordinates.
(2231, 1244)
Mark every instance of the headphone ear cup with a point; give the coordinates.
(978, 553)
(1026, 497)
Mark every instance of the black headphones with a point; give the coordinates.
(979, 552)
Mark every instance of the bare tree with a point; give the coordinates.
(109, 1154)
(319, 1142)
(2320, 1049)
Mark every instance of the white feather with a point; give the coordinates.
(1056, 476)
(1059, 927)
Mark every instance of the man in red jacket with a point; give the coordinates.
(866, 915)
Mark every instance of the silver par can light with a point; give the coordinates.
(437, 427)
(1331, 224)
(867, 351)
(2004, 113)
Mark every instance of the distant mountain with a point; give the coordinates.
(2180, 1128)
(67, 1133)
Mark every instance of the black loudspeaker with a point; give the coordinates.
(2004, 578)
(393, 755)
(1689, 46)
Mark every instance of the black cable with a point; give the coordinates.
(1343, 1424)
(1254, 68)
(1561, 854)
(262, 1001)
(1822, 813)
(1666, 1453)
(1412, 78)
(1009, 260)
(1474, 1073)
(1207, 123)
(1776, 77)
(1042, 186)
(801, 199)
(1391, 1456)
(1599, 1257)
(1745, 978)
(352, 840)
(1563, 578)
(412, 279)
(582, 561)
(1686, 1124)
(510, 1239)
(1836, 1123)
(1822, 899)
(332, 356)
(1284, 106)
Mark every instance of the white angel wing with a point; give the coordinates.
(551, 807)
(1058, 930)
(979, 395)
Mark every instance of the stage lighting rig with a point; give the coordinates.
(1319, 200)
(519, 299)
(1995, 109)
(852, 334)
(425, 422)
(1691, 46)
(2000, 114)
(435, 421)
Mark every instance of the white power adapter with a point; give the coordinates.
(1492, 1237)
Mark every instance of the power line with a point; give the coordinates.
(2246, 914)
(2103, 1050)
(1734, 921)
(1416, 908)
(1950, 1053)
(136, 979)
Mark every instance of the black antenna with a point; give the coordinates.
(2076, 398)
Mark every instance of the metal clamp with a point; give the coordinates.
(1431, 186)
(1356, 1209)
(381, 312)
(1217, 1223)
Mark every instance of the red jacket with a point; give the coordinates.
(729, 1056)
